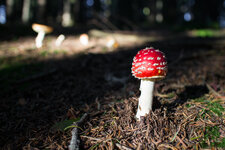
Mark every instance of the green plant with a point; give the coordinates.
(56, 52)
(65, 124)
(204, 33)
(212, 106)
(44, 53)
(217, 108)
(212, 134)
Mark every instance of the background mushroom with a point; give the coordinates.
(41, 30)
(149, 65)
(84, 39)
(59, 40)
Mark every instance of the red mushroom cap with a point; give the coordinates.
(149, 64)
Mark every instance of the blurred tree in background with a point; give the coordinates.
(116, 14)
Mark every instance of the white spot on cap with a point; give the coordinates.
(139, 59)
(162, 68)
(150, 69)
(158, 58)
(155, 64)
(150, 58)
(137, 69)
(144, 58)
(149, 63)
(142, 68)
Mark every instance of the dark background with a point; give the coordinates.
(115, 14)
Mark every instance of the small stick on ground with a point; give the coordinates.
(184, 145)
(122, 147)
(92, 138)
(75, 142)
(162, 146)
(98, 104)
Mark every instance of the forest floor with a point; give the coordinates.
(43, 91)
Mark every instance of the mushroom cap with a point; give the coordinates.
(41, 28)
(149, 64)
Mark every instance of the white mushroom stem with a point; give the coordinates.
(59, 40)
(146, 98)
(39, 39)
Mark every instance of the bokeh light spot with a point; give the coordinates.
(90, 3)
(146, 11)
(2, 14)
(187, 16)
(159, 17)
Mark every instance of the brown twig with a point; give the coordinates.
(184, 145)
(122, 147)
(167, 146)
(92, 138)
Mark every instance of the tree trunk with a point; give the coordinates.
(26, 11)
(66, 17)
(76, 10)
(9, 8)
(41, 10)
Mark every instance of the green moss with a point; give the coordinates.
(212, 136)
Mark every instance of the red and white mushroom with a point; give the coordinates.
(149, 65)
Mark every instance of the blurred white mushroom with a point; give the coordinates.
(59, 40)
(111, 43)
(84, 39)
(41, 30)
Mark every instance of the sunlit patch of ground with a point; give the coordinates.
(206, 33)
(99, 42)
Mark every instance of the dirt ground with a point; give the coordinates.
(45, 90)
